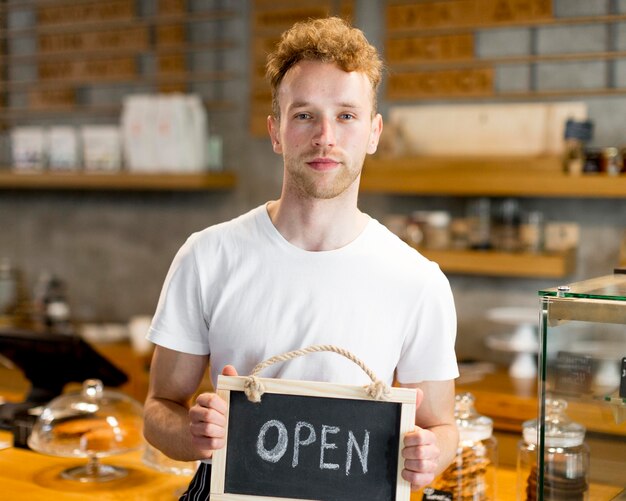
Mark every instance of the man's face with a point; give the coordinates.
(325, 129)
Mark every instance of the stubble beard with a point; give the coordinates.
(320, 185)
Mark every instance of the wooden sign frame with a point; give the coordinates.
(227, 384)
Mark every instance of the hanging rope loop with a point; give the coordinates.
(254, 388)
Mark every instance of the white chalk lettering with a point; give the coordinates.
(273, 455)
(302, 438)
(297, 441)
(325, 445)
(362, 452)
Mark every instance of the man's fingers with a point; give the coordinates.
(229, 370)
(212, 401)
(207, 430)
(198, 414)
(417, 480)
(419, 436)
(420, 465)
(208, 444)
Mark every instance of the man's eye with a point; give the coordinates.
(346, 116)
(303, 116)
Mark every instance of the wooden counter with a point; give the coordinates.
(509, 402)
(506, 488)
(29, 476)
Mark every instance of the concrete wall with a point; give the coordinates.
(114, 249)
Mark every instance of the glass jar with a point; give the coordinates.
(566, 458)
(94, 423)
(479, 221)
(506, 226)
(531, 232)
(437, 230)
(472, 474)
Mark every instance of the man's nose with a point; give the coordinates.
(325, 133)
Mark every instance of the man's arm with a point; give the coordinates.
(168, 413)
(432, 445)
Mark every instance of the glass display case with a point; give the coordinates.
(581, 430)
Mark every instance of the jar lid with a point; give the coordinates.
(438, 219)
(472, 426)
(559, 431)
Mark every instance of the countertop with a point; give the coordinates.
(29, 476)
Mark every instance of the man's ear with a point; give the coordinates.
(375, 132)
(273, 126)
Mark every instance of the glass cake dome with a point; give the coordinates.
(93, 423)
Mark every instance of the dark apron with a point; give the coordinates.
(200, 485)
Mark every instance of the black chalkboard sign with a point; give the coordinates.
(312, 441)
(622, 386)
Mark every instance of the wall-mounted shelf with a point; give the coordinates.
(435, 51)
(509, 264)
(516, 176)
(117, 181)
(72, 58)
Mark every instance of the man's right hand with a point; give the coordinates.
(207, 420)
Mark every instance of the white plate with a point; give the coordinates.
(514, 315)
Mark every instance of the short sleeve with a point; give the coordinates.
(429, 354)
(179, 322)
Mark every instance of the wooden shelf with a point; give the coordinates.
(396, 32)
(106, 53)
(131, 22)
(116, 80)
(86, 46)
(431, 63)
(117, 181)
(516, 176)
(110, 110)
(503, 264)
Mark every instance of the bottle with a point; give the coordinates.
(14, 303)
(566, 458)
(8, 291)
(51, 307)
(472, 474)
(507, 225)
(576, 136)
(612, 161)
(479, 222)
(531, 232)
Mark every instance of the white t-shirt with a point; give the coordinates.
(241, 293)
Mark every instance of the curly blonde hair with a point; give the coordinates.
(329, 40)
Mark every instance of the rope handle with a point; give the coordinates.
(254, 388)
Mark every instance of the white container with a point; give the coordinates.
(138, 126)
(170, 136)
(181, 133)
(28, 149)
(205, 154)
(214, 153)
(63, 149)
(101, 148)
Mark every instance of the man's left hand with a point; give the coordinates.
(421, 457)
(420, 453)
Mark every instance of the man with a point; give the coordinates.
(308, 268)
